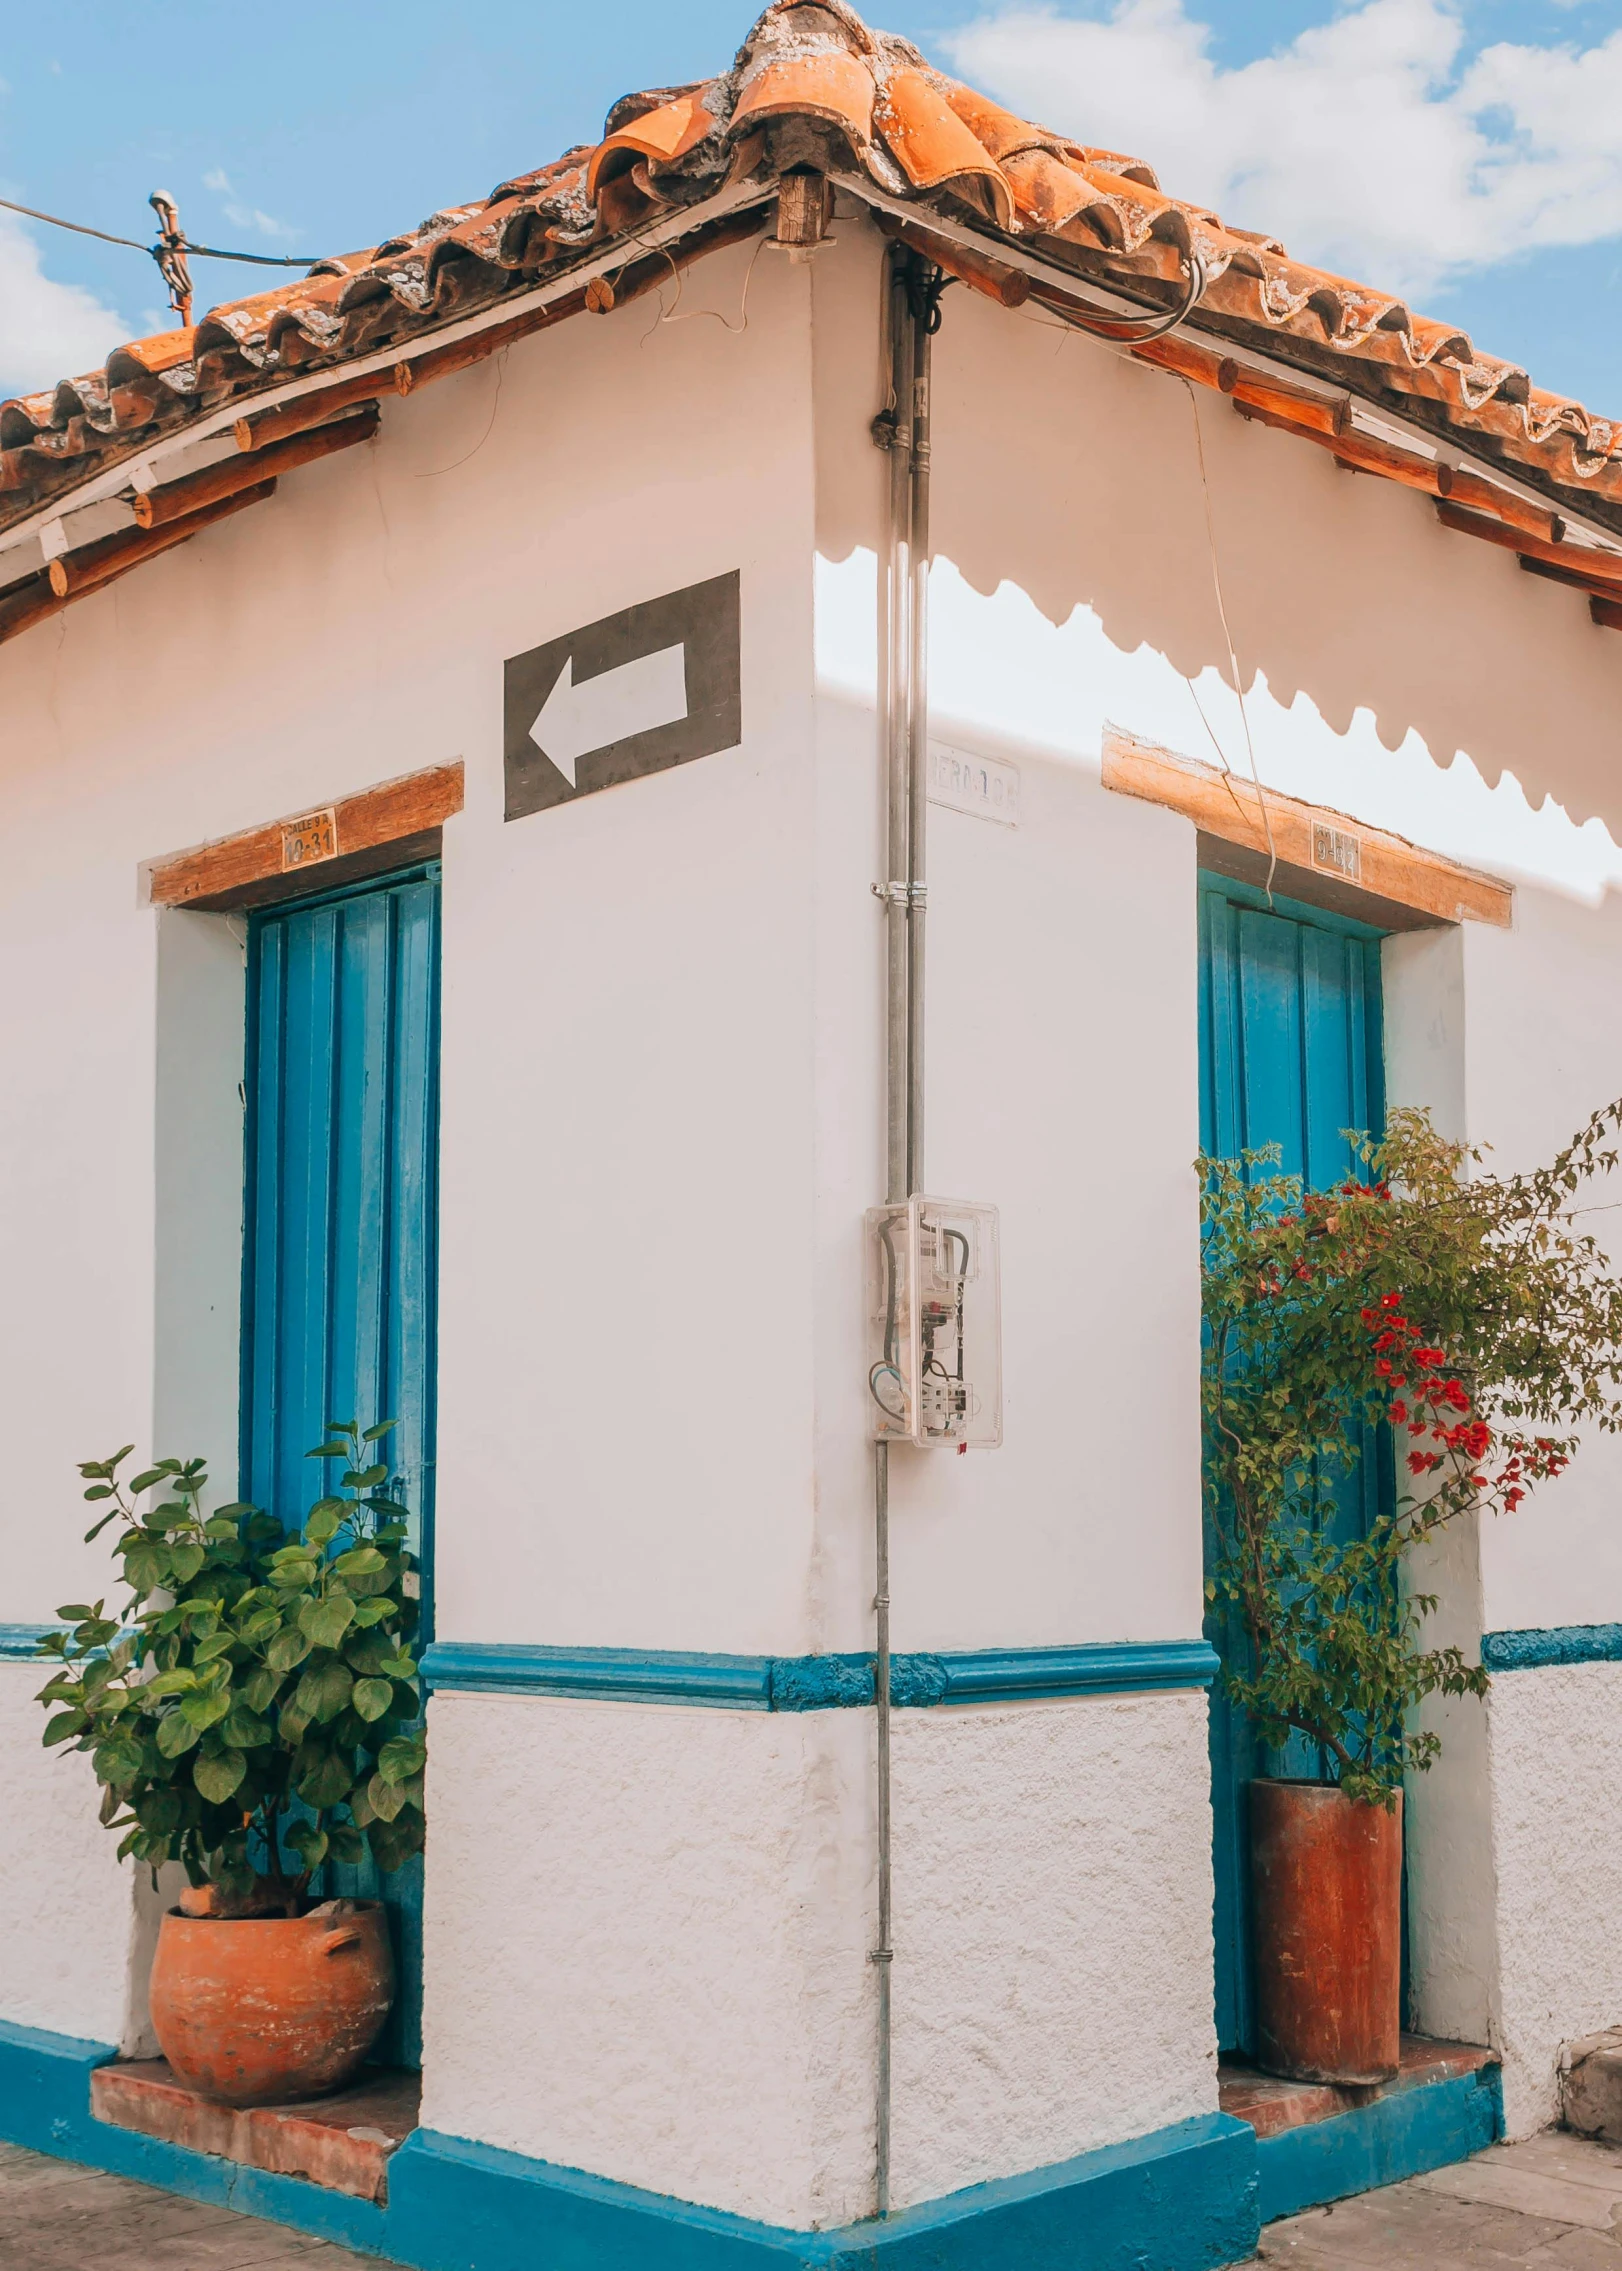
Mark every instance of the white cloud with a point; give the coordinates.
(47, 330)
(1371, 144)
(243, 216)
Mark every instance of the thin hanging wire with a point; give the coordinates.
(199, 251)
(173, 249)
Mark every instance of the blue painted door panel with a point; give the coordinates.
(339, 1258)
(1290, 1053)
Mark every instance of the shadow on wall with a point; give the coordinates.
(1087, 479)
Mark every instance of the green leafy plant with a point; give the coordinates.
(254, 1709)
(1462, 1311)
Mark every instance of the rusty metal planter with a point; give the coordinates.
(1326, 1877)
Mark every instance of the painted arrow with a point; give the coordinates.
(580, 715)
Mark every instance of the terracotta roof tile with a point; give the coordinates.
(813, 84)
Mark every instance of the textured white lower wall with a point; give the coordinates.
(1555, 1749)
(647, 1929)
(645, 1946)
(66, 1905)
(1053, 1933)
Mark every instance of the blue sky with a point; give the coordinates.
(1467, 152)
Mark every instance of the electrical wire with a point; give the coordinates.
(134, 244)
(1233, 659)
(1136, 331)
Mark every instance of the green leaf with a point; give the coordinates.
(185, 1561)
(359, 1561)
(259, 1688)
(365, 1478)
(218, 1774)
(289, 1647)
(401, 1758)
(377, 1433)
(238, 1508)
(308, 1842)
(118, 1760)
(325, 1778)
(325, 1689)
(346, 1845)
(68, 1723)
(217, 1644)
(177, 1733)
(323, 1522)
(327, 1621)
(384, 1798)
(244, 1730)
(206, 1708)
(180, 1681)
(146, 1567)
(394, 1842)
(373, 1611)
(372, 1698)
(259, 1627)
(149, 1476)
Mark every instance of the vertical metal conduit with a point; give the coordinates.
(911, 312)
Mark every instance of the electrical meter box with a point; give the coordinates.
(935, 1296)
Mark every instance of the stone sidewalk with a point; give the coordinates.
(56, 2216)
(1553, 2204)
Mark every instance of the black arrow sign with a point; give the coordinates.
(651, 687)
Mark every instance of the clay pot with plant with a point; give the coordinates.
(252, 1712)
(1462, 1318)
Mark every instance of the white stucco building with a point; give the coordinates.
(621, 1288)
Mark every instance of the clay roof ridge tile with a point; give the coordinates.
(923, 136)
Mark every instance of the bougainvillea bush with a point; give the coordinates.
(252, 1709)
(1472, 1315)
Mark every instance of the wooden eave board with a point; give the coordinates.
(1350, 864)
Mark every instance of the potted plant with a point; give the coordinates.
(1457, 1325)
(253, 1712)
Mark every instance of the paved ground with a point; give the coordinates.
(55, 2216)
(1552, 2204)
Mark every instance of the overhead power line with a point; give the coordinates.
(172, 250)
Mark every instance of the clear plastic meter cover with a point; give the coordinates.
(935, 1353)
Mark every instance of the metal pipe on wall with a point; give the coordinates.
(911, 312)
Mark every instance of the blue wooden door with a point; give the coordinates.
(339, 1254)
(1290, 1053)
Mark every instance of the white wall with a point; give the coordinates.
(646, 1933)
(1515, 1842)
(64, 1949)
(655, 1966)
(1053, 1933)
(1061, 1046)
(1555, 1738)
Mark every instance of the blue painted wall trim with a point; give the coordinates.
(18, 1642)
(1552, 1644)
(1183, 2199)
(1397, 2136)
(817, 1683)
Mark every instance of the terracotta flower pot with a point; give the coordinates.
(263, 2010)
(1326, 1880)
